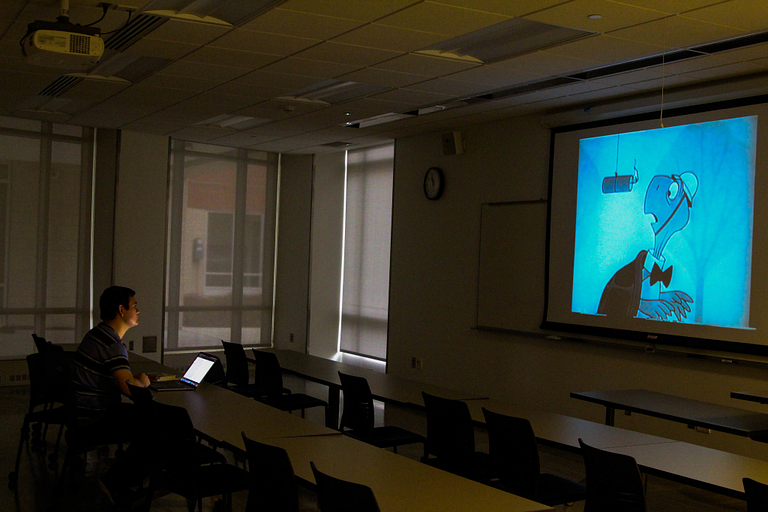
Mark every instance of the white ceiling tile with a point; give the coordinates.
(546, 63)
(505, 7)
(606, 49)
(576, 14)
(446, 20)
(232, 58)
(425, 65)
(301, 24)
(383, 77)
(362, 11)
(677, 32)
(398, 39)
(413, 97)
(672, 6)
(263, 42)
(304, 67)
(348, 54)
(187, 32)
(746, 15)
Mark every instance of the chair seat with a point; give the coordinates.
(204, 481)
(386, 437)
(293, 402)
(551, 490)
(476, 467)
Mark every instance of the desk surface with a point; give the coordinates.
(565, 431)
(399, 483)
(683, 410)
(760, 396)
(384, 387)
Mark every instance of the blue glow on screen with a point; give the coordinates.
(697, 184)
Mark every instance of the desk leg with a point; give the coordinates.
(332, 414)
(610, 414)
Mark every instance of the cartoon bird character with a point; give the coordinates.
(639, 289)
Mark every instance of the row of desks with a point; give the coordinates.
(714, 470)
(398, 482)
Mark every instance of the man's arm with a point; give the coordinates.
(122, 376)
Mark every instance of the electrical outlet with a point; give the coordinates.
(417, 363)
(291, 338)
(130, 345)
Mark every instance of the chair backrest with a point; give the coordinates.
(450, 433)
(269, 375)
(216, 375)
(273, 485)
(45, 385)
(358, 413)
(336, 495)
(513, 450)
(43, 345)
(237, 364)
(613, 481)
(757, 495)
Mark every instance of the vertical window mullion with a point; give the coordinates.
(41, 279)
(174, 256)
(238, 245)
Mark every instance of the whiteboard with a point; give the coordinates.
(511, 265)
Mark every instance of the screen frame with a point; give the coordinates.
(646, 336)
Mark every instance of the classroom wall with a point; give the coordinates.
(140, 231)
(433, 291)
(293, 243)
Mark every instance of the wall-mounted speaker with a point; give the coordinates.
(452, 144)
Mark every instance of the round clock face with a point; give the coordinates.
(433, 183)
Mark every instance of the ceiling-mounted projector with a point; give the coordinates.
(61, 44)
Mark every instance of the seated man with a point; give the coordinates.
(101, 375)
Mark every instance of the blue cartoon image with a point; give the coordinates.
(640, 287)
(663, 227)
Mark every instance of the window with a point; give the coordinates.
(367, 237)
(45, 233)
(220, 247)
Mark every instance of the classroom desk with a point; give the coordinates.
(398, 482)
(690, 464)
(384, 387)
(760, 397)
(682, 410)
(564, 431)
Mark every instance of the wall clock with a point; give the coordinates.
(434, 182)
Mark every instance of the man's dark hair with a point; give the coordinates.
(111, 300)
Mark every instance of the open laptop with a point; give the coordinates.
(192, 377)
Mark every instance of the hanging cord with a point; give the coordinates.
(663, 61)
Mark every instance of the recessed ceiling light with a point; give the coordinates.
(594, 16)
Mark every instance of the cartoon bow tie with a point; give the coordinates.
(665, 276)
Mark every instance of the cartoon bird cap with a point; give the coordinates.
(690, 184)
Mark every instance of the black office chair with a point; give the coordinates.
(757, 495)
(273, 484)
(80, 440)
(515, 461)
(238, 375)
(613, 481)
(216, 375)
(336, 495)
(358, 417)
(269, 377)
(451, 439)
(46, 403)
(44, 345)
(191, 470)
